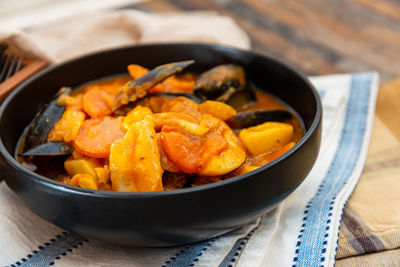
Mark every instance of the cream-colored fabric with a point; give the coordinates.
(376, 202)
(99, 31)
(382, 138)
(389, 258)
(388, 106)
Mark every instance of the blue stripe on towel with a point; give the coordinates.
(312, 239)
(237, 249)
(52, 250)
(189, 255)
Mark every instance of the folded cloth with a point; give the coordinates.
(99, 31)
(302, 230)
(371, 221)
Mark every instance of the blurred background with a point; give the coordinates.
(318, 37)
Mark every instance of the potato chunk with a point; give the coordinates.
(77, 166)
(217, 109)
(84, 180)
(266, 137)
(135, 115)
(135, 160)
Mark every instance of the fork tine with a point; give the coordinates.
(19, 65)
(5, 68)
(11, 69)
(3, 48)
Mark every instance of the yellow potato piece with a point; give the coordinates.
(266, 137)
(229, 159)
(79, 166)
(135, 115)
(181, 120)
(217, 109)
(75, 180)
(88, 181)
(102, 174)
(71, 102)
(84, 180)
(135, 160)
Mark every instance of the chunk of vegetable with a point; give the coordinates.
(135, 115)
(84, 180)
(88, 181)
(229, 159)
(95, 136)
(182, 149)
(266, 137)
(67, 127)
(135, 160)
(102, 174)
(217, 152)
(182, 105)
(71, 102)
(166, 164)
(184, 83)
(77, 166)
(97, 103)
(217, 109)
(137, 71)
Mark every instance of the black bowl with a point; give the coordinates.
(160, 218)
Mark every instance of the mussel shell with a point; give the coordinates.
(242, 99)
(48, 149)
(214, 82)
(139, 87)
(44, 121)
(255, 117)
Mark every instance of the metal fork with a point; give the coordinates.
(9, 64)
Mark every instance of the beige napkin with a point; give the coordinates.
(370, 229)
(99, 31)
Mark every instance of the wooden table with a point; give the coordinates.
(321, 37)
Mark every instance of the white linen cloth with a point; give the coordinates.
(302, 231)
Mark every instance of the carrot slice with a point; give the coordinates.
(97, 103)
(96, 136)
(137, 71)
(178, 84)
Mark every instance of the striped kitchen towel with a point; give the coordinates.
(302, 231)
